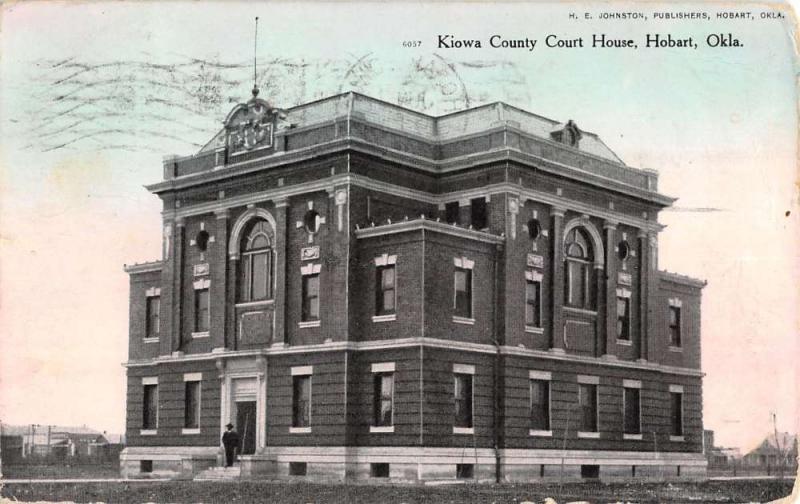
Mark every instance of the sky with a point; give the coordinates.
(93, 95)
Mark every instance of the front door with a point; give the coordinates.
(246, 425)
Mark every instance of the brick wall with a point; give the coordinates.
(171, 402)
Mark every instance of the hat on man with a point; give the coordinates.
(229, 426)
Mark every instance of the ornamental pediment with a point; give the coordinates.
(251, 126)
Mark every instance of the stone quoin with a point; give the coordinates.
(371, 293)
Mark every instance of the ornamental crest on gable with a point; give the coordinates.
(251, 125)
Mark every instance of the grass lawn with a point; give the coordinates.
(60, 471)
(302, 492)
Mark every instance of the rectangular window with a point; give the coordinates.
(310, 309)
(463, 400)
(191, 412)
(451, 212)
(478, 213)
(462, 303)
(533, 303)
(379, 470)
(623, 318)
(201, 311)
(465, 471)
(632, 421)
(676, 413)
(675, 326)
(385, 290)
(540, 405)
(153, 317)
(383, 389)
(587, 398)
(301, 401)
(298, 468)
(150, 407)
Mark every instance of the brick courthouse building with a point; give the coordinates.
(368, 292)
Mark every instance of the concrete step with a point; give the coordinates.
(220, 473)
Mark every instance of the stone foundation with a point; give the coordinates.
(414, 465)
(166, 462)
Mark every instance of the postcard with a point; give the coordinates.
(509, 248)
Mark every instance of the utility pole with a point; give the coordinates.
(781, 454)
(1, 448)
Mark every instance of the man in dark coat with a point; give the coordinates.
(230, 440)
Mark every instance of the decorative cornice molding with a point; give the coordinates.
(682, 279)
(560, 204)
(144, 267)
(502, 153)
(429, 225)
(417, 342)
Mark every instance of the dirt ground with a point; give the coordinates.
(303, 493)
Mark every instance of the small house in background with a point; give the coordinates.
(774, 451)
(10, 446)
(718, 456)
(58, 442)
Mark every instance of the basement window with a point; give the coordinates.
(379, 470)
(145, 466)
(298, 468)
(590, 471)
(465, 471)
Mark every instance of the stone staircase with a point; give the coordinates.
(220, 474)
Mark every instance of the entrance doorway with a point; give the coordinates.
(246, 425)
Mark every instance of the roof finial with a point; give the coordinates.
(255, 64)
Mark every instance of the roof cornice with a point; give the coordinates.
(504, 153)
(144, 267)
(431, 198)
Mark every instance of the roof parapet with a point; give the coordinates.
(683, 279)
(424, 223)
(145, 267)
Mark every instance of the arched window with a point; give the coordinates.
(256, 265)
(579, 255)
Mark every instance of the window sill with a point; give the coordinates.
(675, 348)
(150, 340)
(148, 432)
(251, 304)
(581, 311)
(202, 334)
(534, 330)
(463, 430)
(190, 431)
(384, 428)
(624, 342)
(463, 320)
(636, 437)
(384, 318)
(308, 323)
(677, 438)
(299, 430)
(588, 435)
(540, 433)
